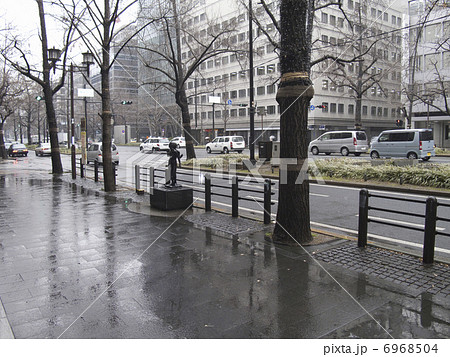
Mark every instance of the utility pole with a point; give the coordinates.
(252, 88)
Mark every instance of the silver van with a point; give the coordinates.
(345, 142)
(95, 153)
(410, 143)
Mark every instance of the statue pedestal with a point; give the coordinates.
(167, 199)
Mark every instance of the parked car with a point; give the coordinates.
(410, 143)
(180, 141)
(43, 149)
(7, 145)
(226, 144)
(95, 153)
(345, 142)
(17, 150)
(155, 144)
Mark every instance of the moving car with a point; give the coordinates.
(410, 143)
(180, 141)
(43, 149)
(155, 144)
(95, 153)
(226, 144)
(345, 142)
(17, 150)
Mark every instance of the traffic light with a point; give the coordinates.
(321, 106)
(399, 123)
(38, 98)
(242, 105)
(126, 102)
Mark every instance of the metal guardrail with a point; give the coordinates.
(150, 174)
(430, 219)
(96, 170)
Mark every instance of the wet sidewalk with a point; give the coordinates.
(79, 263)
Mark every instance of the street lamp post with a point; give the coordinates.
(88, 59)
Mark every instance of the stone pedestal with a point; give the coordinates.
(168, 199)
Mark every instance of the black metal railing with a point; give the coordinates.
(213, 186)
(95, 171)
(430, 219)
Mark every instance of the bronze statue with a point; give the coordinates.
(174, 157)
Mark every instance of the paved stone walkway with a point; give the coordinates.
(77, 263)
(395, 267)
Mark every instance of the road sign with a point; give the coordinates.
(312, 107)
(85, 92)
(215, 100)
(229, 102)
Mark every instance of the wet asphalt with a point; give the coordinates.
(78, 263)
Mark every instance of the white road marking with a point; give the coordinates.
(402, 222)
(394, 240)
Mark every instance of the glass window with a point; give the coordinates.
(351, 109)
(324, 107)
(341, 108)
(324, 17)
(333, 108)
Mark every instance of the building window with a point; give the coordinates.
(350, 4)
(242, 74)
(233, 76)
(325, 39)
(373, 111)
(261, 70)
(385, 112)
(270, 68)
(351, 109)
(340, 22)
(261, 90)
(242, 93)
(333, 108)
(333, 87)
(364, 109)
(324, 84)
(386, 17)
(380, 111)
(233, 94)
(271, 89)
(332, 20)
(242, 112)
(210, 64)
(271, 109)
(324, 107)
(324, 17)
(233, 113)
(341, 108)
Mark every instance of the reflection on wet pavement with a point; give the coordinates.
(72, 263)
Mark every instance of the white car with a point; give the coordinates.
(155, 144)
(226, 144)
(95, 153)
(180, 141)
(43, 149)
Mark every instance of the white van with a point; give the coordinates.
(410, 143)
(226, 144)
(345, 142)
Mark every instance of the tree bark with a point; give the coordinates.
(108, 172)
(294, 95)
(57, 167)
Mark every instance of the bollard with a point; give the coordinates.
(114, 174)
(151, 179)
(81, 168)
(234, 197)
(363, 217)
(267, 201)
(137, 180)
(96, 171)
(74, 163)
(430, 230)
(207, 192)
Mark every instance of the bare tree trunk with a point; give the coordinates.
(294, 94)
(57, 167)
(182, 102)
(3, 153)
(108, 172)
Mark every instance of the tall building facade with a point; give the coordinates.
(429, 68)
(227, 76)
